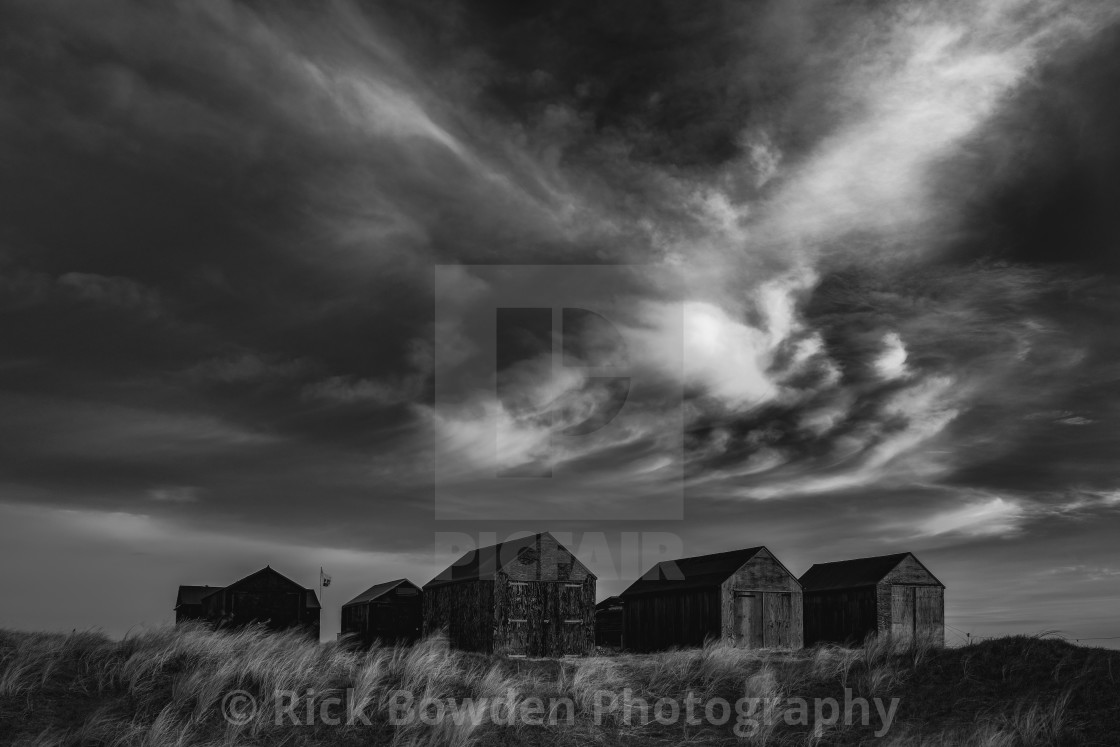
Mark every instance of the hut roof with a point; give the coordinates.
(379, 590)
(484, 562)
(692, 573)
(193, 594)
(848, 574)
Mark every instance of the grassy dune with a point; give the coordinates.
(170, 686)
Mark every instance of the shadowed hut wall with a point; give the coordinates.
(765, 575)
(312, 622)
(608, 624)
(660, 620)
(844, 615)
(189, 612)
(395, 617)
(464, 610)
(354, 620)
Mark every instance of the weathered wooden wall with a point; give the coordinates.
(840, 616)
(909, 610)
(464, 610)
(608, 625)
(544, 618)
(931, 614)
(763, 573)
(682, 618)
(910, 571)
(396, 618)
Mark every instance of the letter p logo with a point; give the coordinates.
(548, 400)
(590, 353)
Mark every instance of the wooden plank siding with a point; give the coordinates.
(916, 612)
(930, 614)
(686, 618)
(842, 616)
(544, 618)
(464, 612)
(396, 617)
(608, 623)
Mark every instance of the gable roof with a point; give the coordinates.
(267, 570)
(193, 594)
(485, 562)
(379, 590)
(196, 594)
(848, 574)
(692, 573)
(609, 602)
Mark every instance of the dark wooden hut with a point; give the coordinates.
(524, 597)
(392, 612)
(188, 602)
(608, 622)
(265, 597)
(746, 597)
(848, 600)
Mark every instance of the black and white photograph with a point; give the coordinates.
(468, 373)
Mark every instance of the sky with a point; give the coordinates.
(852, 269)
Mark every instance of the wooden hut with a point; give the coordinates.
(848, 600)
(392, 612)
(608, 622)
(188, 602)
(746, 597)
(524, 597)
(265, 597)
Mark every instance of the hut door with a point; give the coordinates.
(777, 614)
(570, 624)
(763, 619)
(748, 619)
(902, 612)
(929, 617)
(520, 609)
